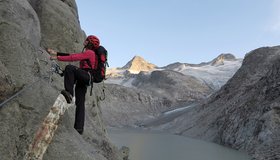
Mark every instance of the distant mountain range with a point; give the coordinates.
(144, 90)
(214, 73)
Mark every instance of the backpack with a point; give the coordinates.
(98, 74)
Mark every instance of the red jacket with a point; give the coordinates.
(83, 58)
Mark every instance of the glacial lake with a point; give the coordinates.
(147, 145)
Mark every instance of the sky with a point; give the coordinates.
(186, 31)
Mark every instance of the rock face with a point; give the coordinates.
(174, 85)
(62, 32)
(20, 32)
(130, 107)
(6, 84)
(26, 27)
(244, 113)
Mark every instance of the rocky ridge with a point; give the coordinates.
(214, 73)
(244, 113)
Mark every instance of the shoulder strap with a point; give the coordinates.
(88, 61)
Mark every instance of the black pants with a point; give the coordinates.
(74, 75)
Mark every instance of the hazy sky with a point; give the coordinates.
(187, 31)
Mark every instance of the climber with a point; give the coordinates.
(82, 76)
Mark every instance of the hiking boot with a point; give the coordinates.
(80, 131)
(67, 96)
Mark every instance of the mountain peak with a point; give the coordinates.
(138, 58)
(138, 64)
(221, 58)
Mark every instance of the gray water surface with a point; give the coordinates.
(146, 145)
